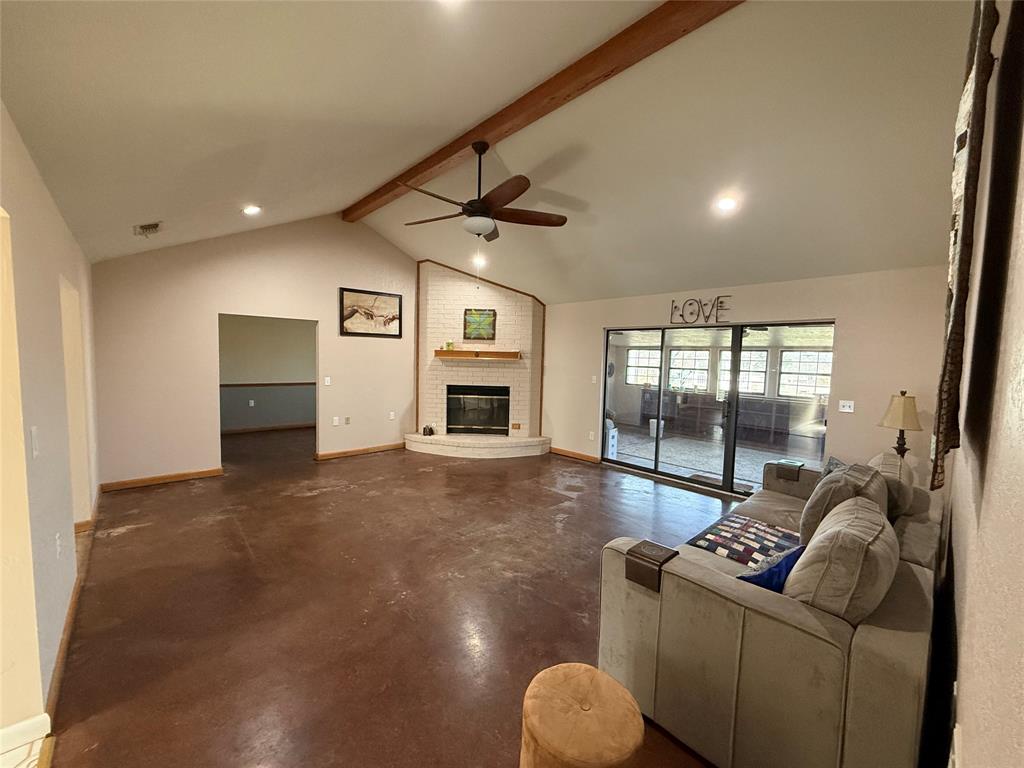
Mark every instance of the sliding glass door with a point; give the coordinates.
(785, 378)
(713, 405)
(694, 419)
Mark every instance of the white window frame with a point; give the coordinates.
(816, 374)
(648, 380)
(728, 373)
(697, 370)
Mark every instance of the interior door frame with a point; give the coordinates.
(731, 420)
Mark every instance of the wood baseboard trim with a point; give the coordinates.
(53, 695)
(275, 428)
(85, 525)
(574, 455)
(328, 455)
(177, 477)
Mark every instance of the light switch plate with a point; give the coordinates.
(252, 403)
(327, 381)
(34, 439)
(335, 421)
(846, 406)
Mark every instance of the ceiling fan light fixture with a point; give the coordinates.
(478, 225)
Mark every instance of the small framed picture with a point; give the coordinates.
(370, 313)
(478, 324)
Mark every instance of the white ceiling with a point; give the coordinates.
(831, 121)
(183, 112)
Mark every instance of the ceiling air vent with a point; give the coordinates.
(145, 230)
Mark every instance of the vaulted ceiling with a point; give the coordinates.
(831, 123)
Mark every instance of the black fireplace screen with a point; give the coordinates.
(477, 410)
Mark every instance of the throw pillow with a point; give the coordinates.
(772, 573)
(839, 486)
(849, 565)
(832, 465)
(899, 479)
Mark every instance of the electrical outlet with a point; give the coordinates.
(593, 379)
(252, 403)
(516, 425)
(348, 420)
(846, 406)
(327, 381)
(391, 415)
(590, 435)
(335, 421)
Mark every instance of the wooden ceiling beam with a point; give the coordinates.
(662, 26)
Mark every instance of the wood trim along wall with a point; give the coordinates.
(274, 384)
(328, 455)
(416, 352)
(177, 477)
(53, 694)
(84, 525)
(543, 345)
(575, 455)
(275, 428)
(477, 277)
(659, 28)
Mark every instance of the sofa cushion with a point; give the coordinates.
(849, 564)
(841, 485)
(899, 480)
(778, 509)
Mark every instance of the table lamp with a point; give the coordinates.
(901, 415)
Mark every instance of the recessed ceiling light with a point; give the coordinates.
(479, 261)
(252, 209)
(726, 204)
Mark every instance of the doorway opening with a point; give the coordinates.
(73, 345)
(713, 405)
(268, 372)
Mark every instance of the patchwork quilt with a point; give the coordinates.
(745, 540)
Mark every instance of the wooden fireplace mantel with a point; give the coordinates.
(477, 354)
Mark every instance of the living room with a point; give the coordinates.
(376, 375)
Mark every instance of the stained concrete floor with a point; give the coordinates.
(379, 610)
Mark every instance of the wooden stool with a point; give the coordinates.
(575, 715)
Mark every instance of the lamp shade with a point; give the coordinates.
(902, 413)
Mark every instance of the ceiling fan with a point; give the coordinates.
(484, 210)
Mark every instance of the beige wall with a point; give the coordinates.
(888, 337)
(44, 252)
(157, 340)
(987, 475)
(266, 350)
(21, 688)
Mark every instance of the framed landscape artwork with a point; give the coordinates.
(370, 313)
(479, 324)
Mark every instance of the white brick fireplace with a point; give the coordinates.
(444, 295)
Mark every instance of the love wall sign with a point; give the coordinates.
(700, 311)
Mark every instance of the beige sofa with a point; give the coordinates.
(749, 677)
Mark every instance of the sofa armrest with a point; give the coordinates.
(801, 488)
(889, 663)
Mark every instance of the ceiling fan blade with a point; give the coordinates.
(533, 218)
(492, 235)
(506, 192)
(436, 218)
(432, 194)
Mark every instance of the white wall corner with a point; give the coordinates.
(20, 743)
